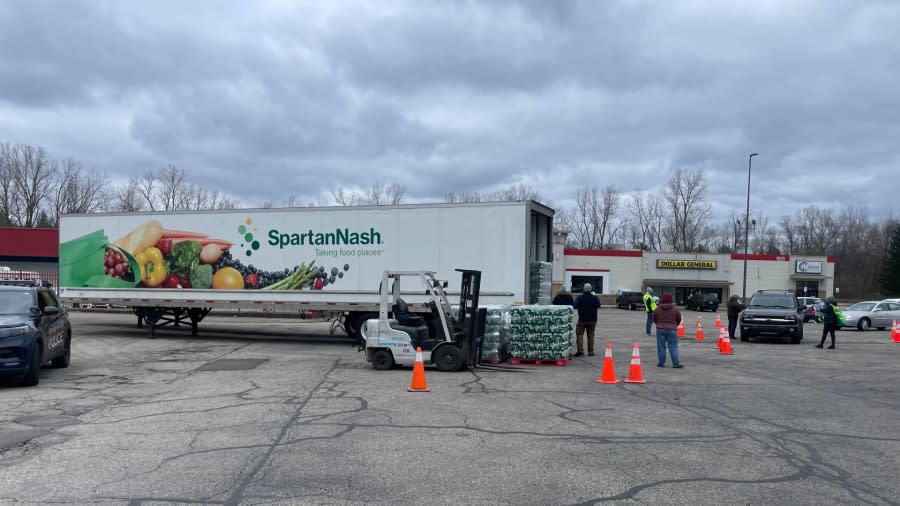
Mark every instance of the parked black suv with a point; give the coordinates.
(34, 330)
(702, 301)
(773, 312)
(630, 300)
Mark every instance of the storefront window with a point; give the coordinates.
(595, 281)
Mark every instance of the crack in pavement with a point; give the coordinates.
(805, 466)
(238, 493)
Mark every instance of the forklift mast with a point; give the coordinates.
(470, 324)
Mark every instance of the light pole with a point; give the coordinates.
(747, 225)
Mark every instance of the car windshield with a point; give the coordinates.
(862, 306)
(15, 302)
(772, 300)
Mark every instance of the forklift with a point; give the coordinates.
(451, 344)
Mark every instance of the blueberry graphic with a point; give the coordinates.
(346, 267)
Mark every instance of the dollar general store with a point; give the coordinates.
(613, 271)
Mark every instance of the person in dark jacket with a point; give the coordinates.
(734, 309)
(563, 297)
(830, 320)
(667, 317)
(587, 305)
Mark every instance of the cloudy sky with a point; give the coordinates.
(266, 99)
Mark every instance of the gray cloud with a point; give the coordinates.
(467, 96)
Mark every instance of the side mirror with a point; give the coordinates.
(51, 310)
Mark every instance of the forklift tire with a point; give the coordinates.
(382, 360)
(448, 358)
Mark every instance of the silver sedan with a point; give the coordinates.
(864, 315)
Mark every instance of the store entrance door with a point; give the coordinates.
(807, 288)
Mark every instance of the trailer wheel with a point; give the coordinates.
(349, 321)
(382, 360)
(359, 325)
(448, 358)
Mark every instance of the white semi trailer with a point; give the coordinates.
(177, 266)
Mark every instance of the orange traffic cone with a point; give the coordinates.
(608, 373)
(718, 321)
(726, 345)
(679, 330)
(699, 335)
(895, 332)
(635, 373)
(418, 383)
(722, 335)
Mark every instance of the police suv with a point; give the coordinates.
(34, 330)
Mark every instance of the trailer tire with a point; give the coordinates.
(359, 325)
(382, 360)
(448, 358)
(349, 321)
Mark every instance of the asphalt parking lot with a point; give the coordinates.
(276, 411)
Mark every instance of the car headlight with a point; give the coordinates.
(14, 331)
(792, 318)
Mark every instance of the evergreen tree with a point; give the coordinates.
(890, 273)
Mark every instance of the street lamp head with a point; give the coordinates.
(753, 154)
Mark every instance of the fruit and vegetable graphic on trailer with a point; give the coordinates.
(151, 256)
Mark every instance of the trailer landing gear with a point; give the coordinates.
(163, 316)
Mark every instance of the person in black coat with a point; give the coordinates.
(734, 309)
(830, 319)
(563, 297)
(587, 305)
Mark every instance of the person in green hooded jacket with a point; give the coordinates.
(830, 321)
(649, 308)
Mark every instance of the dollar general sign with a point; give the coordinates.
(710, 265)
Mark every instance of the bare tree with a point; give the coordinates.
(7, 188)
(168, 189)
(31, 173)
(344, 197)
(77, 190)
(379, 194)
(128, 197)
(395, 193)
(765, 237)
(516, 192)
(463, 197)
(592, 223)
(375, 194)
(688, 211)
(647, 224)
(171, 192)
(813, 229)
(788, 234)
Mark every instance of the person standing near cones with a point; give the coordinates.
(667, 317)
(649, 307)
(587, 305)
(734, 309)
(830, 319)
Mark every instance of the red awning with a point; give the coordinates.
(29, 242)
